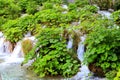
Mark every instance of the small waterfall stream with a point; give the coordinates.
(10, 62)
(105, 14)
(84, 71)
(70, 43)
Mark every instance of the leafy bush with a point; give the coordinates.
(111, 74)
(116, 17)
(52, 57)
(81, 3)
(8, 8)
(14, 34)
(103, 4)
(26, 23)
(117, 76)
(117, 5)
(28, 6)
(52, 17)
(31, 7)
(15, 29)
(103, 48)
(90, 8)
(72, 6)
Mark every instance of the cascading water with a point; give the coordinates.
(105, 13)
(84, 71)
(70, 43)
(1, 43)
(10, 62)
(81, 46)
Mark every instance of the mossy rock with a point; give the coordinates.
(98, 71)
(27, 45)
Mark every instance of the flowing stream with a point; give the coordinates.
(10, 63)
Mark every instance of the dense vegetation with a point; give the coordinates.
(51, 21)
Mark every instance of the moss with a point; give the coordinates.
(66, 35)
(103, 4)
(27, 46)
(76, 40)
(98, 71)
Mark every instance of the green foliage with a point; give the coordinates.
(72, 6)
(111, 74)
(31, 8)
(28, 6)
(52, 17)
(116, 17)
(90, 8)
(104, 4)
(102, 48)
(117, 77)
(15, 29)
(53, 58)
(14, 34)
(26, 23)
(81, 3)
(8, 8)
(117, 5)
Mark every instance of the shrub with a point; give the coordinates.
(52, 57)
(14, 34)
(8, 8)
(28, 6)
(103, 4)
(111, 74)
(103, 48)
(15, 29)
(116, 17)
(117, 76)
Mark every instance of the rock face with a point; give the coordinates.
(96, 70)
(6, 46)
(10, 47)
(106, 4)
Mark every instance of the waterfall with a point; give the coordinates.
(70, 43)
(1, 45)
(65, 6)
(80, 50)
(84, 71)
(105, 13)
(28, 34)
(17, 51)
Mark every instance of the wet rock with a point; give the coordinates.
(111, 10)
(96, 70)
(8, 46)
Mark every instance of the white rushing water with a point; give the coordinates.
(105, 14)
(81, 46)
(70, 43)
(84, 71)
(10, 62)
